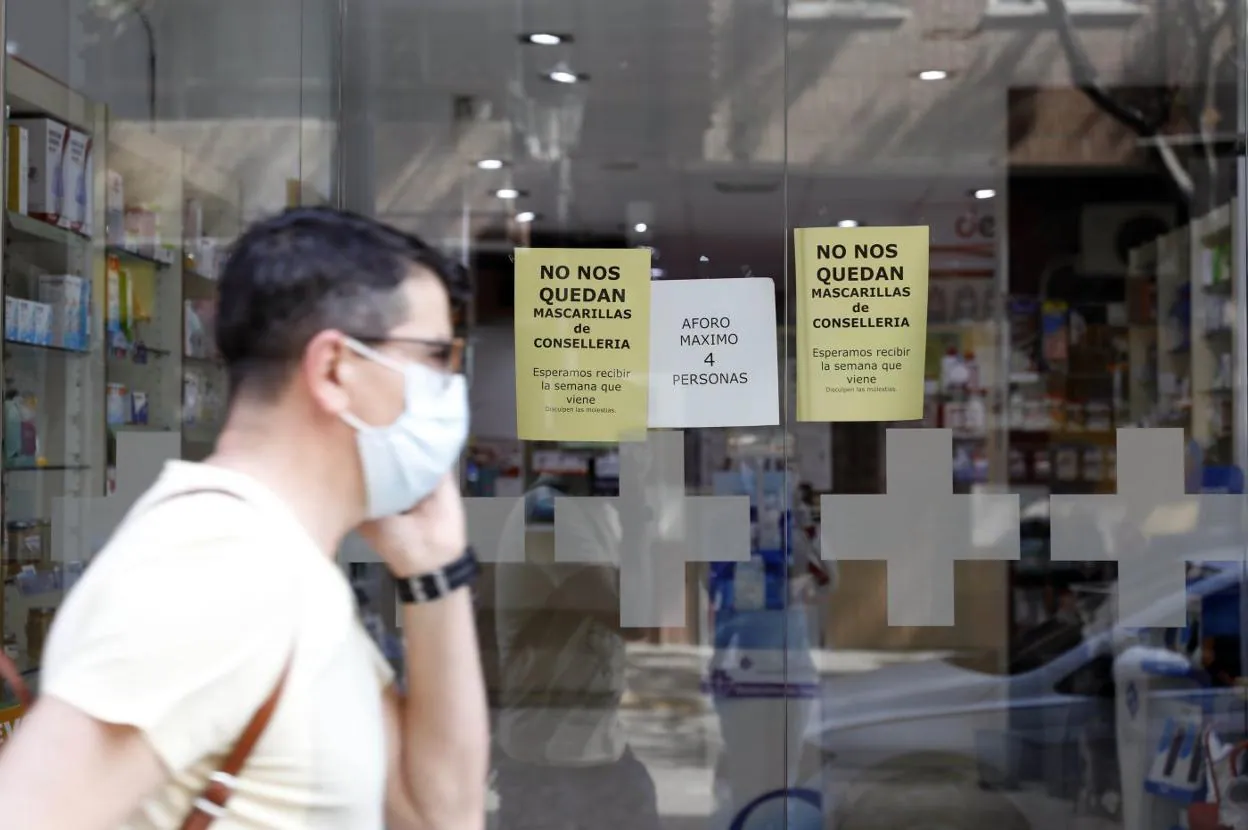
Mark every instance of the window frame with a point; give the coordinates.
(1025, 11)
(864, 12)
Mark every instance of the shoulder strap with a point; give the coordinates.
(212, 800)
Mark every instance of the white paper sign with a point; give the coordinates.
(713, 353)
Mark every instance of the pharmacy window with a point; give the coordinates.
(1031, 9)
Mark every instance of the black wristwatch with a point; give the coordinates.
(446, 580)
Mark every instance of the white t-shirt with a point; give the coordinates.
(180, 627)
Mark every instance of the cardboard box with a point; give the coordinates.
(48, 147)
(17, 170)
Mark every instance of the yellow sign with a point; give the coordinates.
(9, 720)
(861, 323)
(582, 343)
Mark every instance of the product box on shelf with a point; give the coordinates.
(10, 317)
(41, 324)
(138, 407)
(117, 407)
(79, 201)
(48, 146)
(115, 209)
(142, 231)
(25, 321)
(198, 326)
(118, 302)
(70, 301)
(16, 170)
(77, 193)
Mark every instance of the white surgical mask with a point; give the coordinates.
(404, 461)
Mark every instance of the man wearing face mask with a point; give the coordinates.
(218, 598)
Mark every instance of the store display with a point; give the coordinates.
(64, 395)
(48, 142)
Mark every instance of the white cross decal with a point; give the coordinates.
(661, 530)
(1152, 527)
(920, 528)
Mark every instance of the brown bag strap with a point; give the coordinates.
(211, 802)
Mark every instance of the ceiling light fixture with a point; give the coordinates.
(933, 75)
(508, 193)
(524, 217)
(545, 38)
(847, 223)
(562, 74)
(985, 193)
(641, 227)
(491, 164)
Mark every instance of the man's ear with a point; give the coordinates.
(325, 373)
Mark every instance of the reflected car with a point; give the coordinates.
(936, 744)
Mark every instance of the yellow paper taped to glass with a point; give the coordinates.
(582, 343)
(861, 323)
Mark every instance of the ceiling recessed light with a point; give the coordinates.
(641, 227)
(704, 258)
(564, 76)
(545, 38)
(847, 223)
(933, 75)
(508, 193)
(985, 193)
(491, 164)
(524, 217)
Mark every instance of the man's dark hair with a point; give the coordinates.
(308, 269)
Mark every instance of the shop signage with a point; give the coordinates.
(713, 353)
(582, 343)
(861, 323)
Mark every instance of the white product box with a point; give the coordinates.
(117, 404)
(41, 332)
(75, 194)
(25, 321)
(115, 208)
(17, 169)
(10, 317)
(49, 146)
(74, 212)
(69, 300)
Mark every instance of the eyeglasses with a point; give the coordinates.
(444, 355)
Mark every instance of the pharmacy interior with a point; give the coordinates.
(1077, 166)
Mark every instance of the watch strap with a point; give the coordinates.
(435, 585)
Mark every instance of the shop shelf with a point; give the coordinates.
(22, 345)
(29, 229)
(135, 256)
(45, 468)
